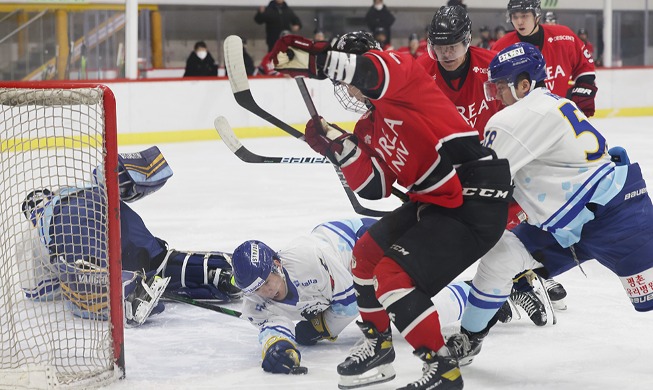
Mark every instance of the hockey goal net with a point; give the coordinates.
(55, 136)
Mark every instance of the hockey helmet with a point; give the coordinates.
(357, 42)
(252, 262)
(510, 63)
(550, 17)
(450, 25)
(524, 6)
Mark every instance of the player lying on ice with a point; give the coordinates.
(69, 245)
(583, 201)
(304, 293)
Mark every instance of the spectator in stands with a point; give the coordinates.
(413, 47)
(486, 41)
(277, 16)
(582, 34)
(200, 62)
(379, 16)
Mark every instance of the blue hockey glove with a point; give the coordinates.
(311, 331)
(279, 356)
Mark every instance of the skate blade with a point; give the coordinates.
(559, 304)
(380, 374)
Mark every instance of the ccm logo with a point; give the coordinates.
(485, 192)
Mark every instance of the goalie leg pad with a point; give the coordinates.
(200, 275)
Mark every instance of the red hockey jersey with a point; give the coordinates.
(467, 92)
(566, 56)
(403, 138)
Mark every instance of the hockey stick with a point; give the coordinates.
(235, 65)
(233, 143)
(203, 305)
(316, 119)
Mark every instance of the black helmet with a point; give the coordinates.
(451, 24)
(550, 17)
(357, 42)
(524, 5)
(582, 31)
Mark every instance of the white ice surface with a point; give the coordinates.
(215, 201)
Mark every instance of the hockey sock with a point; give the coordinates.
(366, 255)
(411, 310)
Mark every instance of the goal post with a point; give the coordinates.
(61, 305)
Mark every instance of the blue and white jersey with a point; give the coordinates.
(318, 275)
(559, 162)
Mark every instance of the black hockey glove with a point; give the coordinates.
(311, 331)
(280, 356)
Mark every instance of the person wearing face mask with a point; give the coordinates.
(568, 60)
(200, 62)
(379, 16)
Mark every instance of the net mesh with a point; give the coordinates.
(51, 142)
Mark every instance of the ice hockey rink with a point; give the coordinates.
(214, 201)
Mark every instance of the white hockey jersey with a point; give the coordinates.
(558, 160)
(318, 274)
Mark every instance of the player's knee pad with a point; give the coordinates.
(85, 288)
(392, 282)
(200, 275)
(639, 288)
(366, 255)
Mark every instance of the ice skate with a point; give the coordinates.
(532, 305)
(557, 294)
(143, 300)
(370, 361)
(466, 345)
(440, 371)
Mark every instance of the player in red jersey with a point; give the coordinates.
(458, 69)
(567, 57)
(411, 134)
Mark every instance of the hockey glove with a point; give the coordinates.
(279, 356)
(331, 141)
(583, 94)
(297, 56)
(313, 330)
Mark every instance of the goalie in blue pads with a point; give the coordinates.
(71, 255)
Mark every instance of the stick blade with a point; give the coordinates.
(235, 63)
(227, 134)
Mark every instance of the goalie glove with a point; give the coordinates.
(310, 331)
(332, 142)
(297, 56)
(280, 356)
(583, 94)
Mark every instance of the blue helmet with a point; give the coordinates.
(252, 263)
(516, 59)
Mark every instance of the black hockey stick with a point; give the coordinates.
(306, 95)
(233, 143)
(235, 66)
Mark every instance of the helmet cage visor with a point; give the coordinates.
(350, 98)
(449, 52)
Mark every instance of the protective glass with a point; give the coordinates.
(448, 52)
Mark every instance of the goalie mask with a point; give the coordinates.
(358, 42)
(510, 63)
(252, 262)
(450, 33)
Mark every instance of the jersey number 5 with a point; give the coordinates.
(581, 126)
